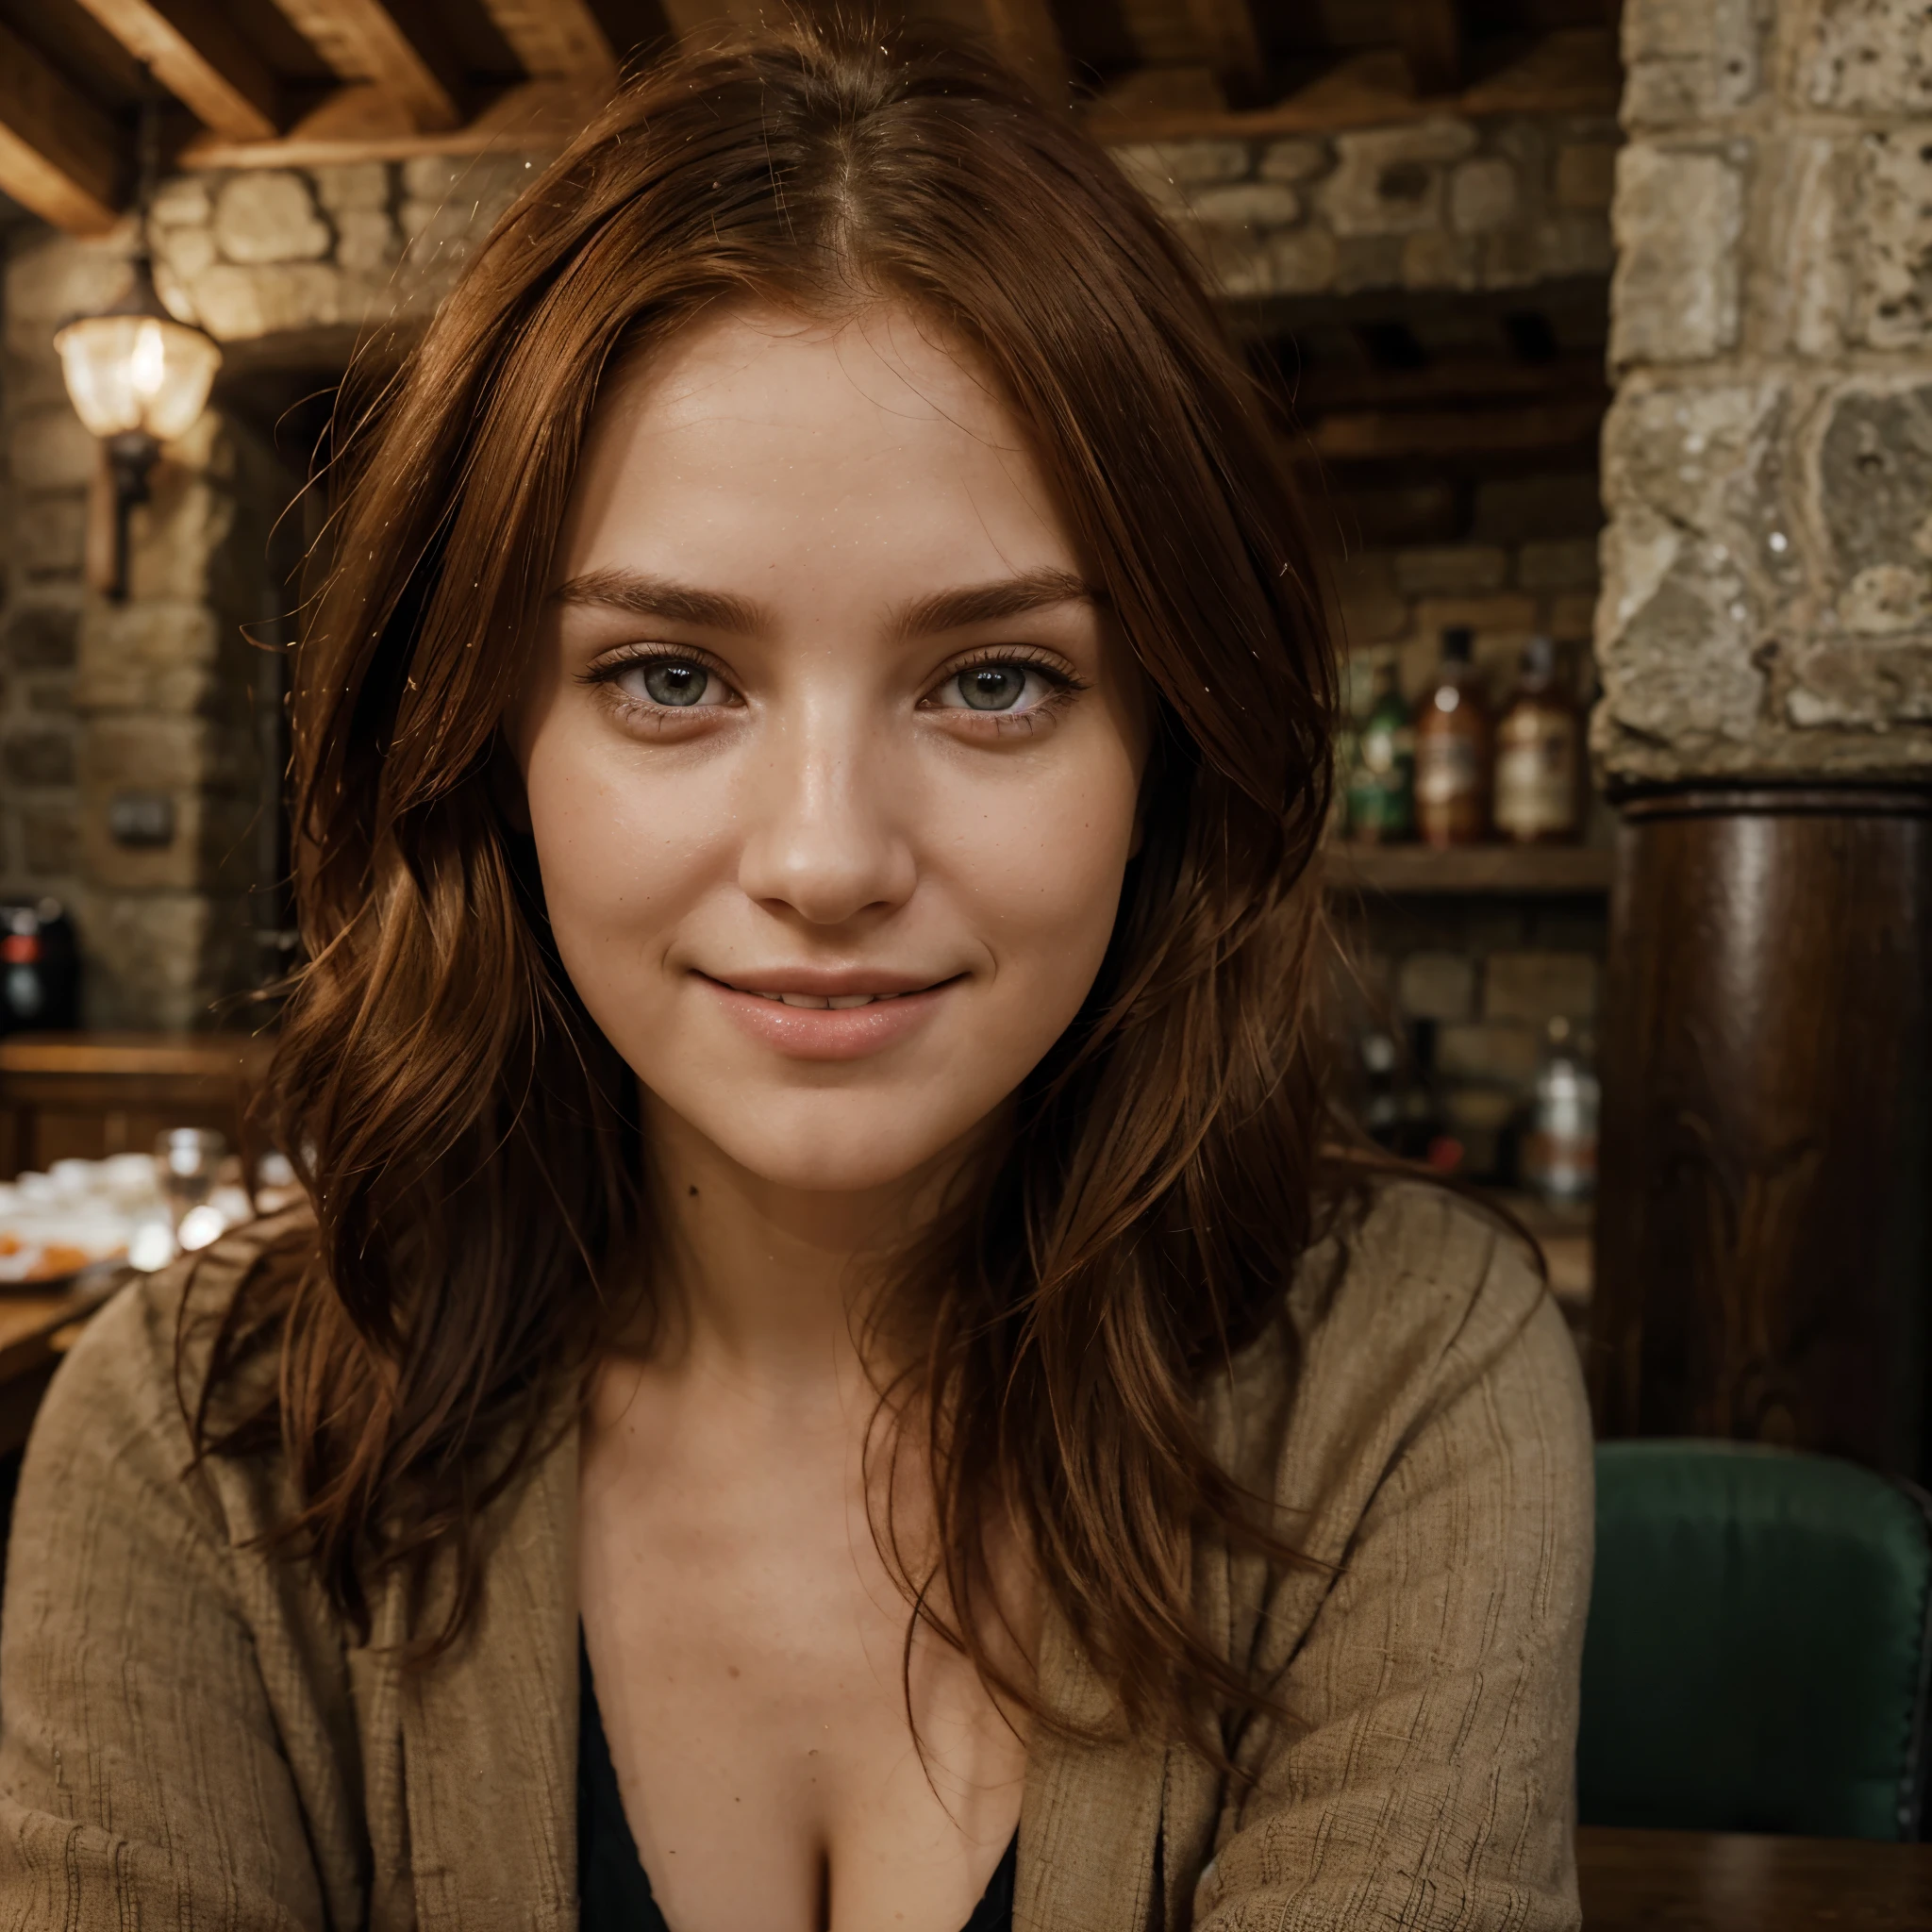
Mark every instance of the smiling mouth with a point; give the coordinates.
(844, 1001)
(835, 1003)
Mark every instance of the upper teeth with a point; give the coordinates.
(837, 1001)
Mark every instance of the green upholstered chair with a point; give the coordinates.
(1759, 1645)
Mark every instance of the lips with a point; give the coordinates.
(827, 1015)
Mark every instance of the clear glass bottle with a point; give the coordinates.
(1539, 766)
(1559, 1149)
(1454, 744)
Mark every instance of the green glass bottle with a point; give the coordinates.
(1381, 786)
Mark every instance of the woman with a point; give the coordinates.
(830, 1380)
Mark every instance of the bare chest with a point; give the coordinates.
(750, 1651)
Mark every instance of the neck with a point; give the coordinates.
(769, 1283)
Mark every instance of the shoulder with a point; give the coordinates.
(121, 1399)
(1418, 1312)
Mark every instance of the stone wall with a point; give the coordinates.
(167, 699)
(1767, 603)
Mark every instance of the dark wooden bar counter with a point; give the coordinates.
(1694, 1881)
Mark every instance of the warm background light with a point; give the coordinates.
(137, 373)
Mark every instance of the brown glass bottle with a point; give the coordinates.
(1452, 746)
(1539, 756)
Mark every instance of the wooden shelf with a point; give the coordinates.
(1579, 871)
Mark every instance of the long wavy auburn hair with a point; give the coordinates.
(470, 1142)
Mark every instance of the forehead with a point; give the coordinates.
(758, 425)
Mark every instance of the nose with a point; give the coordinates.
(824, 826)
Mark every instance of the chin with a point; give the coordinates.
(822, 1142)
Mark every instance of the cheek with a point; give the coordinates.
(622, 858)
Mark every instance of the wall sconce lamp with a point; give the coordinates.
(137, 379)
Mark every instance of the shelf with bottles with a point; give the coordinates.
(1575, 870)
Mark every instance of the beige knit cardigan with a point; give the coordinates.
(189, 1738)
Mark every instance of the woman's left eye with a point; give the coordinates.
(993, 688)
(676, 684)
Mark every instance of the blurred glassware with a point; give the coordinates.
(1560, 1150)
(188, 1160)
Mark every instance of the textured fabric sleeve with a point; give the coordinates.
(141, 1780)
(1422, 1774)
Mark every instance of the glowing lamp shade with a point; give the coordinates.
(137, 379)
(137, 373)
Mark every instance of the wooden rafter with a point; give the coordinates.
(363, 39)
(556, 40)
(1026, 33)
(59, 154)
(1236, 50)
(194, 53)
(1431, 33)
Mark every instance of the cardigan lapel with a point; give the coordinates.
(1090, 1814)
(489, 1730)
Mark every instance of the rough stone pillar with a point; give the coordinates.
(1765, 640)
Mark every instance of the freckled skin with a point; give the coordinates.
(810, 781)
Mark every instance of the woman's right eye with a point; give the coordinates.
(679, 684)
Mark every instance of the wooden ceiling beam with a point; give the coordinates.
(60, 153)
(1235, 49)
(1431, 36)
(556, 40)
(365, 40)
(194, 52)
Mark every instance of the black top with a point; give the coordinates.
(613, 1893)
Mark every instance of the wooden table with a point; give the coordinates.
(36, 1330)
(1694, 1881)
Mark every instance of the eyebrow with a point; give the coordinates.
(644, 594)
(1033, 590)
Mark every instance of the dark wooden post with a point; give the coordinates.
(1764, 1270)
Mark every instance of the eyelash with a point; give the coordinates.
(1063, 686)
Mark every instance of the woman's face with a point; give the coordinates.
(831, 753)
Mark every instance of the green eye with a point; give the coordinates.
(991, 687)
(676, 684)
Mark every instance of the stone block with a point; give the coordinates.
(1500, 1051)
(241, 304)
(1453, 569)
(51, 276)
(1586, 174)
(1369, 261)
(1566, 565)
(1438, 260)
(1571, 617)
(51, 451)
(1181, 164)
(160, 959)
(1518, 510)
(1875, 491)
(49, 840)
(1258, 205)
(1689, 60)
(1293, 160)
(1867, 685)
(1482, 194)
(1865, 57)
(37, 758)
(148, 657)
(183, 254)
(1302, 261)
(50, 535)
(182, 202)
(1437, 986)
(1893, 302)
(268, 215)
(1391, 181)
(353, 186)
(1679, 214)
(1371, 609)
(1537, 988)
(50, 697)
(41, 635)
(366, 241)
